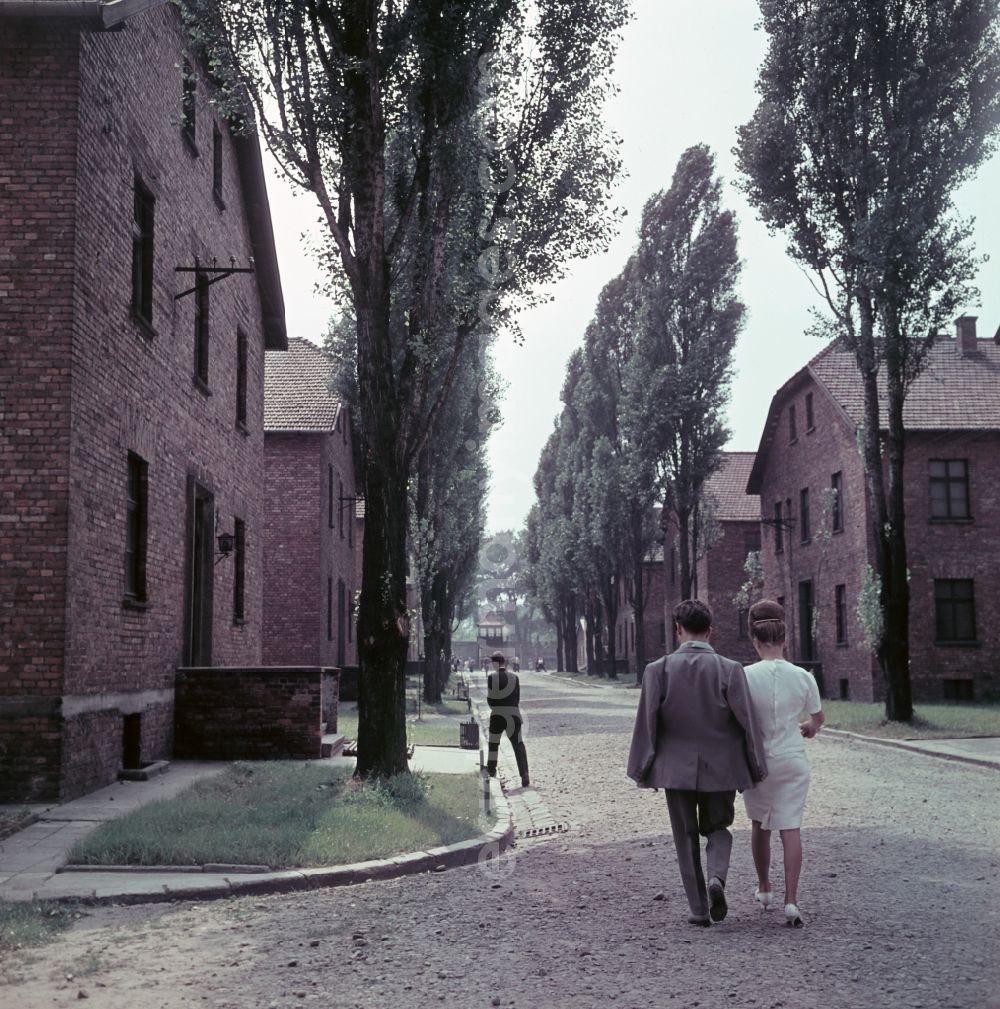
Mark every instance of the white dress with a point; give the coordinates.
(780, 692)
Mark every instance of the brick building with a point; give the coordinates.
(731, 522)
(653, 616)
(131, 395)
(312, 542)
(817, 544)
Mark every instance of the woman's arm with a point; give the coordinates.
(812, 726)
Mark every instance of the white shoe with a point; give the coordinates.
(765, 898)
(792, 917)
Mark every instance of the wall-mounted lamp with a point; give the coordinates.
(226, 542)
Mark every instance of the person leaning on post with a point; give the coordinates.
(695, 737)
(503, 694)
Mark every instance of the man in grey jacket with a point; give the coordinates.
(695, 738)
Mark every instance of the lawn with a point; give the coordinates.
(287, 814)
(931, 721)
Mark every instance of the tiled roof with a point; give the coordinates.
(954, 391)
(728, 486)
(297, 393)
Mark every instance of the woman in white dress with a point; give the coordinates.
(780, 692)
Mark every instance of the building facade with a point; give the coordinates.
(132, 393)
(312, 543)
(817, 537)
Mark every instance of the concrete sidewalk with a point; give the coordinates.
(30, 860)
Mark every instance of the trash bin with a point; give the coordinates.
(468, 735)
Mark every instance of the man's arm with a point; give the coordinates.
(643, 748)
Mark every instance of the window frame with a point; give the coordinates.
(810, 414)
(779, 529)
(951, 603)
(217, 166)
(189, 106)
(805, 530)
(143, 251)
(239, 570)
(793, 433)
(837, 518)
(840, 613)
(202, 330)
(948, 481)
(136, 585)
(242, 376)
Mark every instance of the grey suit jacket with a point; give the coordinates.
(695, 728)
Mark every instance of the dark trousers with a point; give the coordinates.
(511, 726)
(694, 815)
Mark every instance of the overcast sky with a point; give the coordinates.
(686, 73)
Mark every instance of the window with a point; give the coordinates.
(142, 253)
(743, 631)
(957, 690)
(840, 606)
(239, 569)
(329, 495)
(351, 610)
(845, 690)
(779, 530)
(136, 528)
(329, 609)
(751, 541)
(341, 621)
(837, 486)
(351, 503)
(792, 432)
(663, 634)
(673, 565)
(810, 419)
(340, 509)
(804, 514)
(343, 429)
(201, 329)
(949, 489)
(954, 609)
(217, 164)
(189, 101)
(807, 643)
(241, 379)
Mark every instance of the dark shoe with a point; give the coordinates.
(717, 896)
(701, 920)
(491, 771)
(524, 782)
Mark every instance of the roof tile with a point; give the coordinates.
(728, 486)
(297, 393)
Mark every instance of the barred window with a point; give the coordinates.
(955, 609)
(949, 488)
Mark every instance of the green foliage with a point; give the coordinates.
(751, 589)
(869, 609)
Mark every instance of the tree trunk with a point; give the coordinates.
(895, 583)
(383, 626)
(610, 595)
(559, 644)
(600, 652)
(569, 636)
(684, 549)
(639, 611)
(591, 626)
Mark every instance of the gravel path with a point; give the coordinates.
(900, 892)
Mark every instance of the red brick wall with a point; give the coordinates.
(131, 389)
(943, 549)
(39, 92)
(304, 554)
(721, 573)
(251, 714)
(652, 618)
(810, 462)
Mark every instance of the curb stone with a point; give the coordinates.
(912, 747)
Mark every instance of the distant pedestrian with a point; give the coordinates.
(695, 738)
(503, 694)
(779, 692)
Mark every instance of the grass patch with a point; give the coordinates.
(287, 814)
(32, 923)
(945, 720)
(11, 819)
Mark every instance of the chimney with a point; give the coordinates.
(965, 334)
